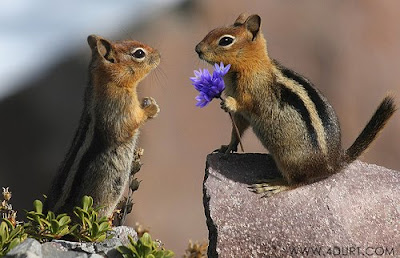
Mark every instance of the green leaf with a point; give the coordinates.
(131, 240)
(81, 212)
(74, 228)
(13, 244)
(168, 254)
(5, 231)
(123, 249)
(2, 239)
(16, 231)
(126, 252)
(104, 226)
(65, 220)
(102, 219)
(64, 231)
(87, 222)
(3, 227)
(50, 216)
(87, 202)
(38, 206)
(59, 216)
(9, 224)
(146, 240)
(55, 226)
(44, 221)
(101, 238)
(95, 229)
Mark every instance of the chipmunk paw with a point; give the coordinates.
(150, 107)
(270, 187)
(229, 104)
(227, 149)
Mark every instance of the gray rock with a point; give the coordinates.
(86, 247)
(30, 248)
(353, 212)
(105, 248)
(56, 250)
(99, 256)
(122, 233)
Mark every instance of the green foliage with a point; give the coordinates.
(145, 247)
(89, 227)
(10, 236)
(86, 226)
(46, 227)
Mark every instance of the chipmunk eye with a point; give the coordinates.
(226, 40)
(139, 53)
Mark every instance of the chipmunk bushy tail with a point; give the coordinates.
(371, 130)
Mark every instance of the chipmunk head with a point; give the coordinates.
(126, 62)
(236, 44)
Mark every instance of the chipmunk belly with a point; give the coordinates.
(102, 173)
(106, 185)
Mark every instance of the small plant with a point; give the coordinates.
(86, 226)
(6, 210)
(140, 229)
(89, 227)
(145, 247)
(196, 250)
(11, 232)
(10, 236)
(124, 207)
(46, 227)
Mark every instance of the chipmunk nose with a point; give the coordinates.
(198, 50)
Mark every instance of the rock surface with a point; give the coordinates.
(31, 248)
(354, 212)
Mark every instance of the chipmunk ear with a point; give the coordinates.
(101, 46)
(253, 24)
(241, 19)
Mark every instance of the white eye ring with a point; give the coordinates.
(139, 54)
(226, 40)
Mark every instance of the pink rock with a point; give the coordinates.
(354, 212)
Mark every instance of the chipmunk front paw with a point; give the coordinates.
(150, 107)
(229, 104)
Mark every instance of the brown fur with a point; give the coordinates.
(100, 159)
(293, 120)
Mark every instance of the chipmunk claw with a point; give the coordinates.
(269, 187)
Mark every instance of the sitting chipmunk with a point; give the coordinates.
(291, 118)
(100, 158)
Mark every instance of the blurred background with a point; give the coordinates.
(349, 49)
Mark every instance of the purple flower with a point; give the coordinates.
(209, 86)
(220, 70)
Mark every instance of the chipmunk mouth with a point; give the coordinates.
(204, 58)
(200, 52)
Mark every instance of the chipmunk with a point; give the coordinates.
(100, 158)
(290, 117)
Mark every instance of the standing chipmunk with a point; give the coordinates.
(291, 118)
(100, 158)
